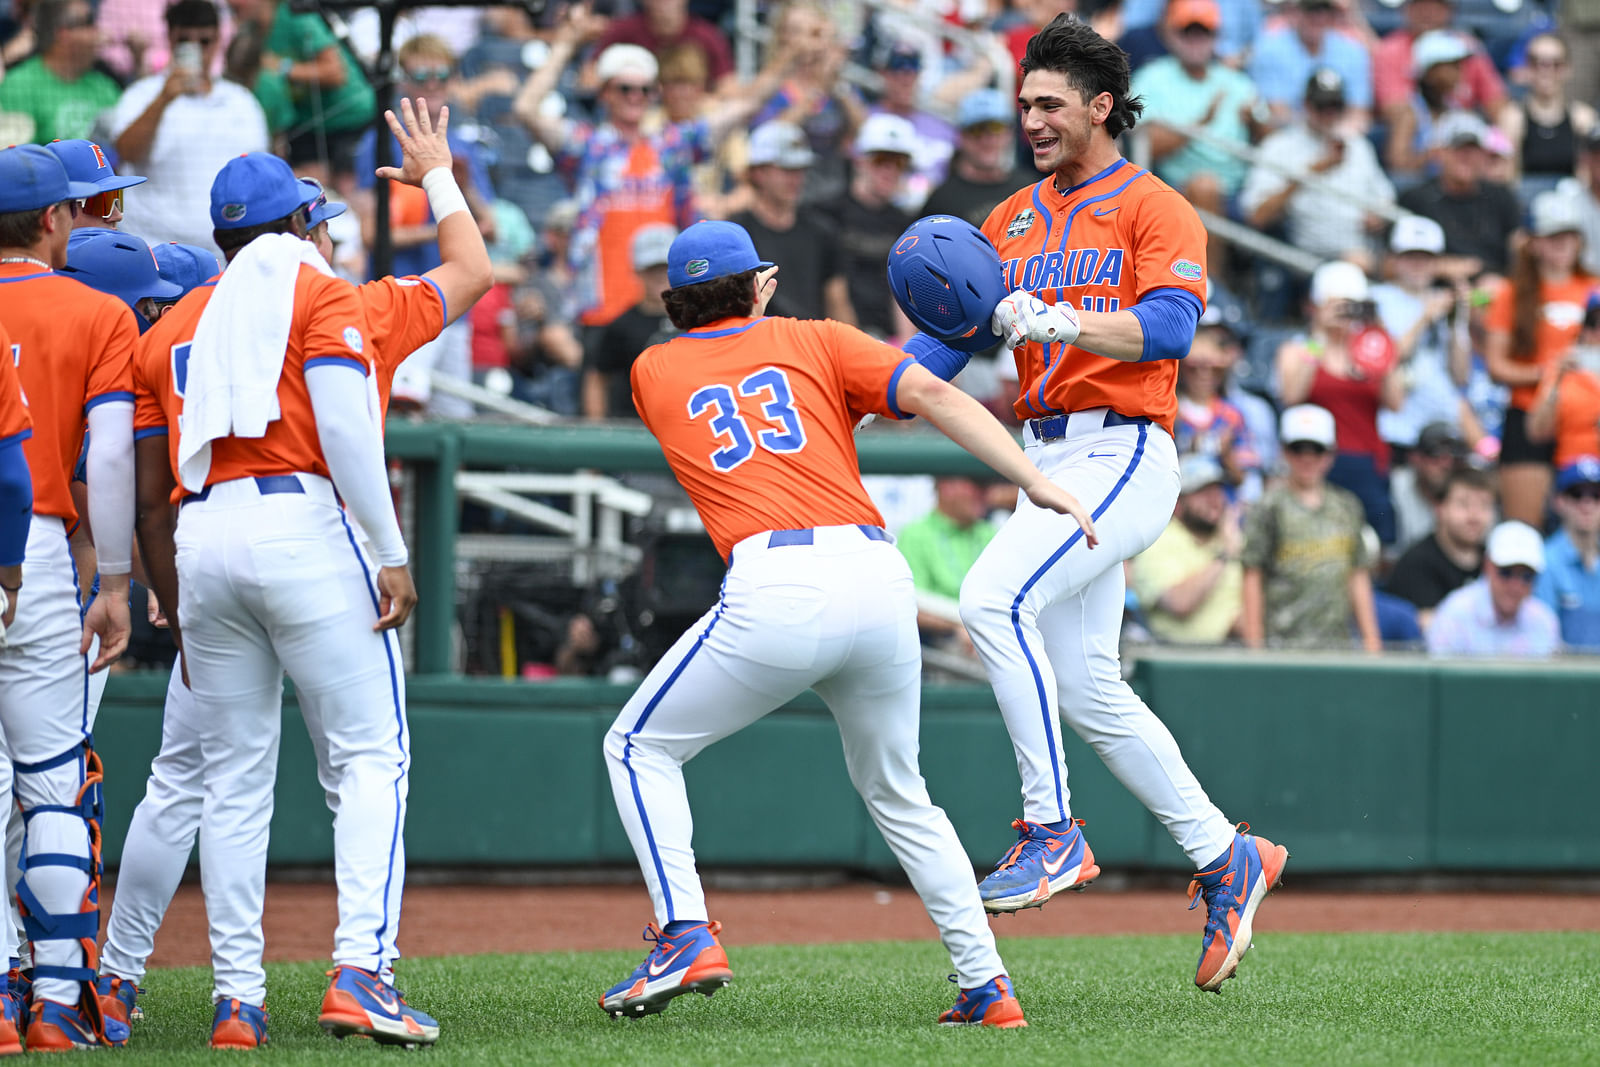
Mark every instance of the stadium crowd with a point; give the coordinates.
(1399, 448)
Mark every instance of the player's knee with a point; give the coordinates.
(981, 608)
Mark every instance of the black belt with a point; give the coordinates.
(1054, 427)
(781, 538)
(266, 485)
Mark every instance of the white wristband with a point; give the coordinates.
(444, 195)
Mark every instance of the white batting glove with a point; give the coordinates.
(1023, 317)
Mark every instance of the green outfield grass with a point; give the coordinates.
(1300, 998)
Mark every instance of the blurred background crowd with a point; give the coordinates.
(1390, 417)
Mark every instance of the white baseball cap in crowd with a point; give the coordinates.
(1198, 471)
(1555, 211)
(1458, 129)
(781, 144)
(1438, 46)
(621, 59)
(1338, 279)
(650, 245)
(1516, 544)
(1307, 422)
(1416, 233)
(886, 133)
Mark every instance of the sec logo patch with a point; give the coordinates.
(1188, 270)
(352, 337)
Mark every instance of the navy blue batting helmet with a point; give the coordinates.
(946, 276)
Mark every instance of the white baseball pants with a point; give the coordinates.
(1045, 613)
(837, 615)
(271, 580)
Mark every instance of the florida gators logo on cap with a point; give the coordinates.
(696, 267)
(233, 212)
(99, 156)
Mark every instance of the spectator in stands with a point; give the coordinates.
(180, 127)
(1320, 145)
(662, 25)
(1417, 487)
(554, 259)
(545, 355)
(900, 67)
(1566, 410)
(814, 284)
(1533, 322)
(1192, 87)
(86, 162)
(870, 223)
(1189, 583)
(1223, 324)
(1570, 582)
(330, 103)
(1428, 314)
(1208, 424)
(1438, 60)
(1394, 70)
(1547, 125)
(59, 88)
(1315, 33)
(940, 548)
(1307, 569)
(984, 169)
(1497, 615)
(1478, 216)
(610, 350)
(1239, 26)
(1331, 368)
(1589, 199)
(1452, 555)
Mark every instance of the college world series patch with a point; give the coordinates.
(1021, 224)
(352, 337)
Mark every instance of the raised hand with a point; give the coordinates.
(423, 146)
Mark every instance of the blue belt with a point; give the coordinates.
(266, 485)
(781, 538)
(1054, 427)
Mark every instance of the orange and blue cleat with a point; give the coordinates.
(238, 1025)
(119, 999)
(1233, 888)
(688, 959)
(1042, 863)
(362, 1004)
(991, 1004)
(10, 1024)
(65, 1027)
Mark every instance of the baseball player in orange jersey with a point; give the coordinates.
(16, 504)
(756, 417)
(1107, 265)
(402, 315)
(71, 348)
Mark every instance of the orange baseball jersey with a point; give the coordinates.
(329, 325)
(1104, 245)
(72, 348)
(403, 314)
(15, 422)
(757, 419)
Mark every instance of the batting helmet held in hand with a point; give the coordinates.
(946, 276)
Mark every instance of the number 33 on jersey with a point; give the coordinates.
(762, 435)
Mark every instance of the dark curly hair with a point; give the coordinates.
(230, 241)
(1092, 65)
(731, 296)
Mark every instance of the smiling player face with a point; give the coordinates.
(1056, 120)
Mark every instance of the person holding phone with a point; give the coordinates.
(180, 127)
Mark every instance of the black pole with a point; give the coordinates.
(381, 265)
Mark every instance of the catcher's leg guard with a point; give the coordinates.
(58, 894)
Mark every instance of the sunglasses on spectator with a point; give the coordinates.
(889, 159)
(204, 41)
(984, 129)
(1304, 448)
(102, 206)
(1521, 575)
(76, 24)
(633, 88)
(1583, 492)
(1197, 29)
(1549, 62)
(424, 75)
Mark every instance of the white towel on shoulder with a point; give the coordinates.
(236, 357)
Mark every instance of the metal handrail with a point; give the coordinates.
(1253, 240)
(531, 414)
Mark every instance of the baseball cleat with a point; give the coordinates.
(21, 988)
(238, 1025)
(689, 961)
(991, 1004)
(119, 999)
(359, 1002)
(10, 1024)
(1041, 864)
(66, 1027)
(1233, 888)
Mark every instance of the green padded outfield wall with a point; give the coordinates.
(1357, 765)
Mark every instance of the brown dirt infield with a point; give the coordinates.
(446, 920)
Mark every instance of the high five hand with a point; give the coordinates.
(423, 145)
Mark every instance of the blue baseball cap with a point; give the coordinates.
(86, 162)
(321, 210)
(254, 188)
(32, 177)
(118, 264)
(985, 105)
(1585, 470)
(711, 250)
(186, 266)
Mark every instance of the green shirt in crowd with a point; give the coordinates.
(940, 552)
(60, 109)
(302, 38)
(1306, 556)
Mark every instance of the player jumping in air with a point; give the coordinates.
(1107, 266)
